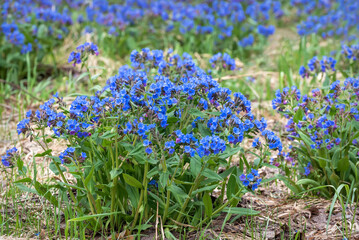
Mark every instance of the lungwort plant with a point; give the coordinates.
(151, 141)
(323, 130)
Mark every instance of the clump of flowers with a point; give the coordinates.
(266, 31)
(162, 122)
(246, 41)
(328, 19)
(8, 160)
(32, 28)
(223, 61)
(323, 130)
(316, 66)
(351, 52)
(251, 180)
(351, 55)
(82, 52)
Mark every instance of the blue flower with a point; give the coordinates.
(255, 172)
(250, 177)
(242, 177)
(246, 183)
(231, 138)
(149, 150)
(154, 183)
(256, 143)
(146, 143)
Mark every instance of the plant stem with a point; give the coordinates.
(220, 208)
(65, 180)
(194, 186)
(143, 192)
(90, 198)
(221, 197)
(167, 206)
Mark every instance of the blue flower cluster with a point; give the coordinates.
(325, 116)
(223, 61)
(329, 18)
(315, 65)
(68, 156)
(49, 116)
(165, 102)
(351, 52)
(219, 18)
(15, 37)
(266, 31)
(251, 180)
(9, 157)
(81, 52)
(170, 16)
(246, 41)
(320, 125)
(41, 18)
(283, 97)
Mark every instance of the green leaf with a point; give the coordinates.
(287, 181)
(211, 174)
(44, 191)
(197, 113)
(206, 188)
(115, 173)
(334, 179)
(343, 163)
(24, 188)
(241, 211)
(132, 181)
(89, 176)
(47, 152)
(71, 186)
(214, 113)
(138, 153)
(143, 226)
(42, 31)
(96, 76)
(133, 195)
(24, 180)
(195, 166)
(232, 186)
(204, 130)
(305, 138)
(53, 168)
(159, 200)
(229, 152)
(178, 193)
(298, 116)
(164, 176)
(227, 172)
(87, 217)
(207, 201)
(108, 134)
(307, 181)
